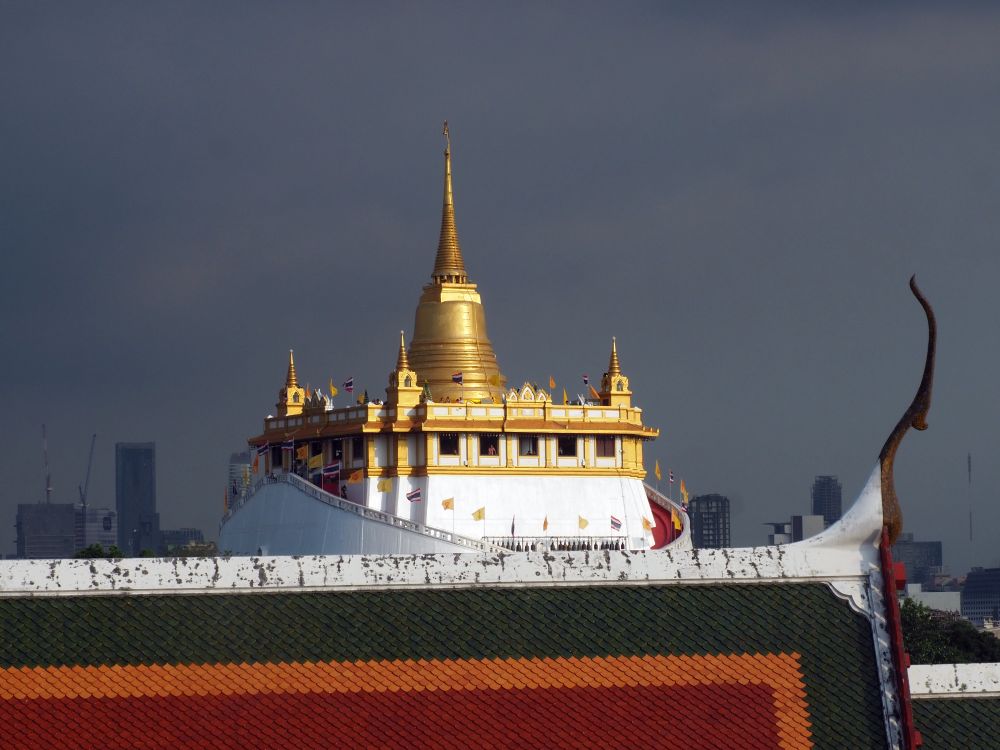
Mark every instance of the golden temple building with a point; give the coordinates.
(452, 450)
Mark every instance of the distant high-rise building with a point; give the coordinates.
(794, 530)
(46, 530)
(171, 539)
(135, 488)
(709, 516)
(923, 560)
(781, 532)
(96, 526)
(826, 499)
(981, 595)
(56, 530)
(239, 476)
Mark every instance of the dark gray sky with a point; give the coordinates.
(187, 191)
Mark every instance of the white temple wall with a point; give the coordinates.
(529, 499)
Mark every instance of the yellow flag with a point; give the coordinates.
(583, 522)
(552, 382)
(333, 389)
(594, 393)
(675, 518)
(565, 399)
(316, 462)
(684, 493)
(480, 515)
(448, 503)
(302, 453)
(361, 398)
(646, 524)
(356, 476)
(545, 524)
(656, 470)
(384, 485)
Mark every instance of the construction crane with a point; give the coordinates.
(86, 482)
(45, 456)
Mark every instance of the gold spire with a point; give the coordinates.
(402, 362)
(291, 381)
(450, 350)
(614, 368)
(448, 265)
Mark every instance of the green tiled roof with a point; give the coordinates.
(958, 723)
(834, 643)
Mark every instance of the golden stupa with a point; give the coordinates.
(450, 351)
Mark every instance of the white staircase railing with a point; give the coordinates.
(368, 513)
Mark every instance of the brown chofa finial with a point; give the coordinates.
(915, 417)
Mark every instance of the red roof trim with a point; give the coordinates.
(894, 579)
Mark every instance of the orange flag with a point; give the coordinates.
(545, 524)
(356, 476)
(552, 382)
(594, 393)
(646, 524)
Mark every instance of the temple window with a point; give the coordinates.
(527, 445)
(449, 443)
(295, 398)
(408, 382)
(605, 446)
(489, 444)
(357, 447)
(620, 386)
(566, 445)
(338, 450)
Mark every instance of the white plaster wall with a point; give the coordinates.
(955, 680)
(331, 572)
(529, 499)
(381, 448)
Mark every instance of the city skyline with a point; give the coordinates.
(741, 200)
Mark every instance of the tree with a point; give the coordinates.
(97, 551)
(934, 637)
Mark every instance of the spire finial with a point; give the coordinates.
(614, 367)
(291, 381)
(448, 265)
(402, 361)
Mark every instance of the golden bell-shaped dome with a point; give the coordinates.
(450, 350)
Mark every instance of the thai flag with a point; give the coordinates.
(616, 523)
(331, 470)
(288, 445)
(262, 449)
(456, 377)
(414, 496)
(670, 472)
(586, 379)
(349, 385)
